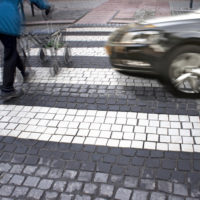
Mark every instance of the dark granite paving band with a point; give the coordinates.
(106, 98)
(85, 44)
(77, 62)
(31, 169)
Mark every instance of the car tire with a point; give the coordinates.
(178, 69)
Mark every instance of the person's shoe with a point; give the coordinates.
(5, 96)
(49, 11)
(28, 76)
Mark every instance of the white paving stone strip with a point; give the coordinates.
(88, 38)
(93, 51)
(91, 29)
(91, 76)
(105, 128)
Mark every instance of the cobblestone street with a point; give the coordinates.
(91, 133)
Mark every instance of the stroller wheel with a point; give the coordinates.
(56, 68)
(67, 56)
(43, 57)
(52, 71)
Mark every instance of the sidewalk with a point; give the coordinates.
(109, 11)
(101, 11)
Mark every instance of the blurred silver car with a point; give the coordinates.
(169, 47)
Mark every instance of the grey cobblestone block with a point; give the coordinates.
(163, 174)
(157, 154)
(68, 155)
(140, 195)
(82, 156)
(44, 161)
(58, 164)
(59, 186)
(4, 167)
(51, 195)
(131, 182)
(90, 188)
(172, 197)
(20, 192)
(74, 186)
(35, 194)
(21, 149)
(165, 186)
(99, 198)
(158, 195)
(138, 161)
(169, 164)
(171, 155)
(106, 190)
(123, 194)
(116, 169)
(147, 184)
(116, 178)
(184, 165)
(196, 165)
(45, 184)
(30, 170)
(102, 149)
(109, 158)
(5, 178)
(17, 169)
(83, 197)
(9, 147)
(18, 159)
(70, 174)
(155, 163)
(195, 192)
(42, 171)
(89, 166)
(85, 176)
(66, 196)
(6, 157)
(115, 151)
(123, 160)
(128, 152)
(132, 171)
(103, 167)
(31, 160)
(148, 173)
(17, 180)
(31, 181)
(142, 153)
(55, 173)
(180, 189)
(178, 177)
(6, 190)
(101, 177)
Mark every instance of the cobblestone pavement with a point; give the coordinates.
(90, 133)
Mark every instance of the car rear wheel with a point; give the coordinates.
(183, 69)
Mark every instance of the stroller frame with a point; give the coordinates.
(48, 40)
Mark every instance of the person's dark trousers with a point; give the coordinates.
(11, 61)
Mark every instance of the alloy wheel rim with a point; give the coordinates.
(182, 74)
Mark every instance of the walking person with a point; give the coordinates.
(10, 28)
(43, 5)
